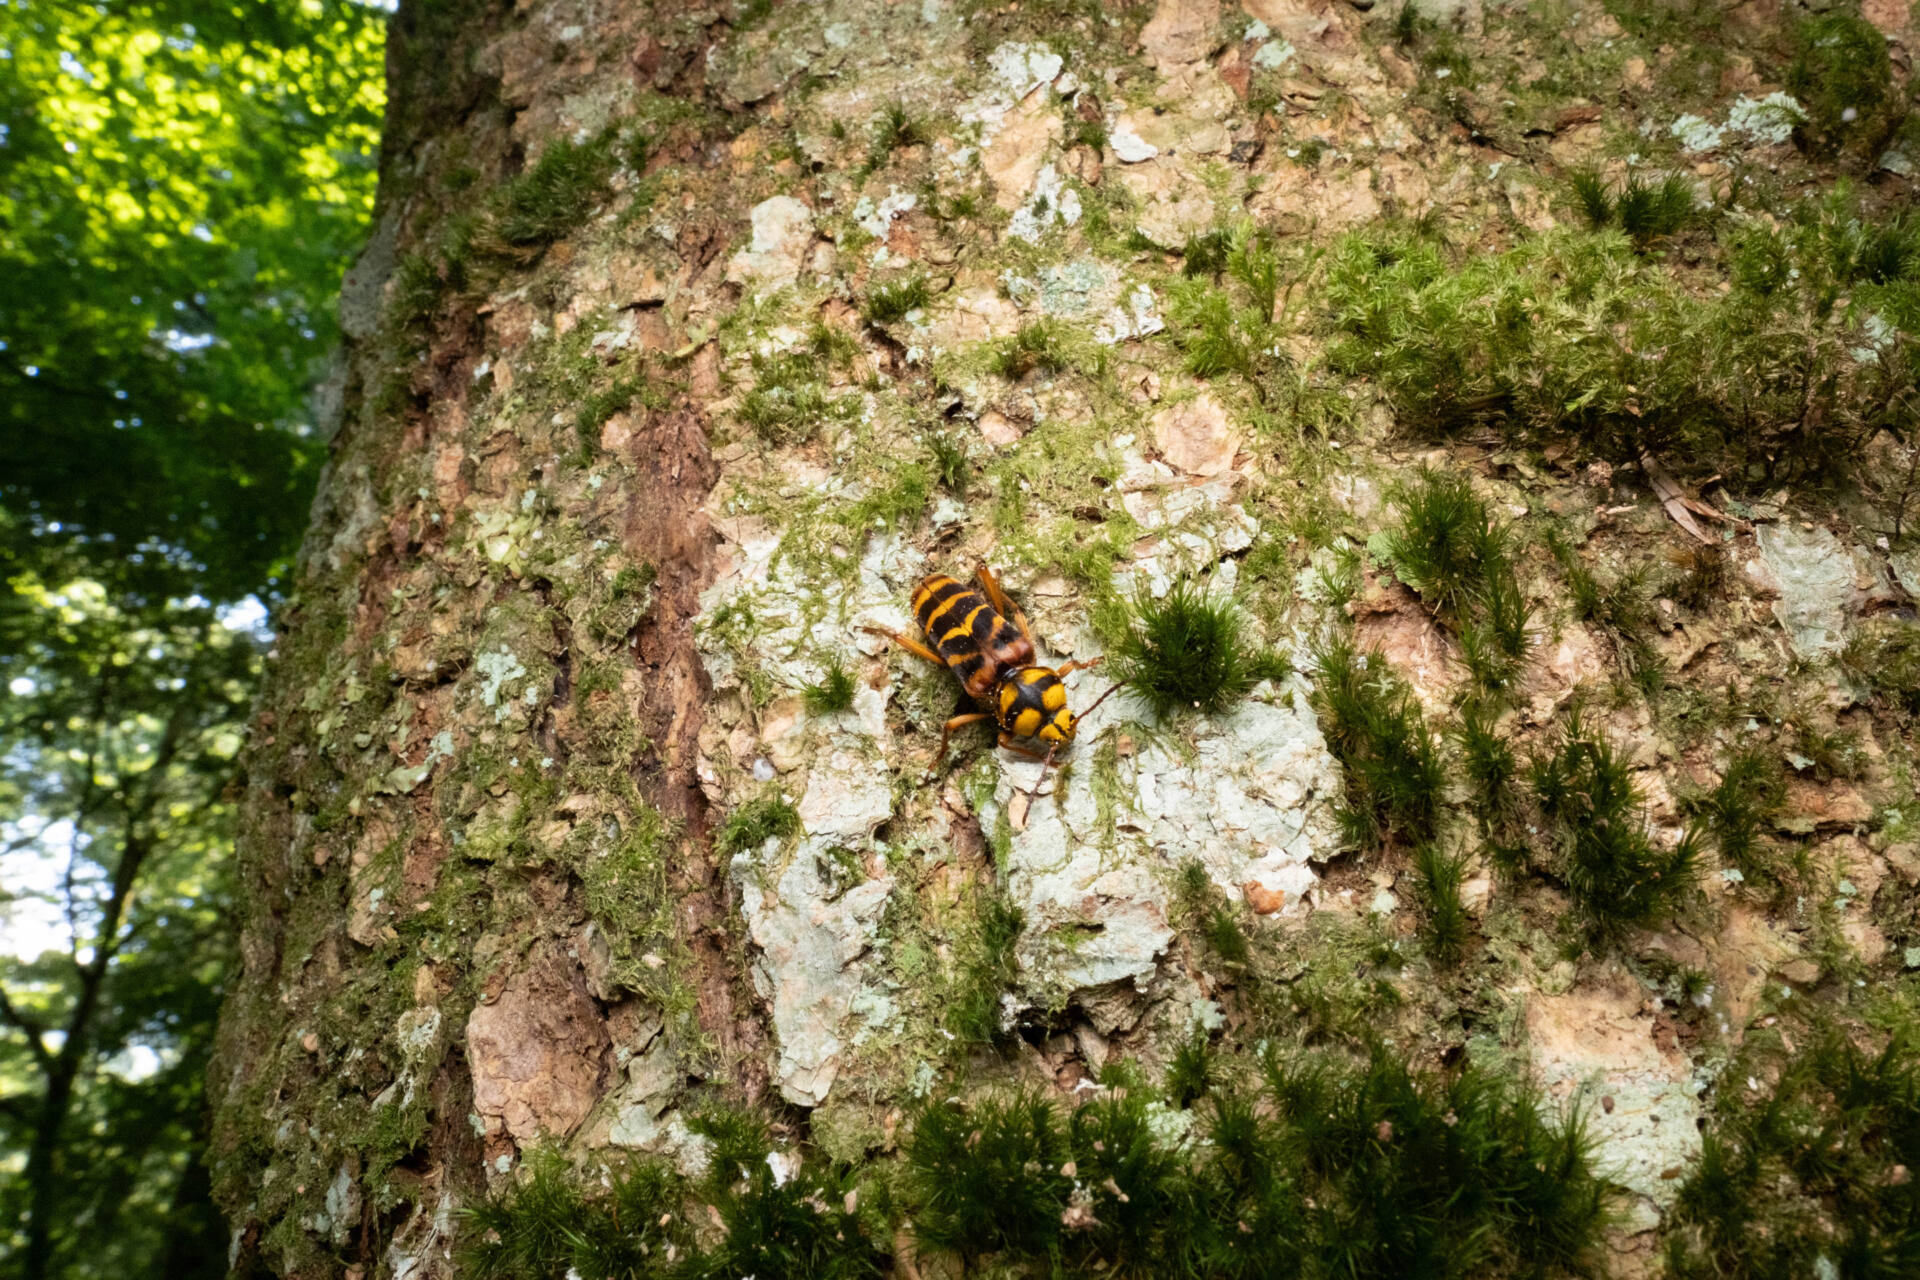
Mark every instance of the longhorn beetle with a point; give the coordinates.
(986, 642)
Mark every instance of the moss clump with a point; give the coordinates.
(832, 693)
(755, 822)
(1806, 1168)
(1702, 578)
(1321, 1165)
(1190, 1072)
(891, 302)
(417, 289)
(1377, 731)
(1591, 811)
(1440, 876)
(1574, 338)
(804, 1225)
(1738, 812)
(603, 404)
(950, 463)
(1487, 760)
(634, 1222)
(893, 129)
(1451, 550)
(1621, 606)
(1222, 313)
(788, 402)
(1203, 908)
(1648, 212)
(547, 1226)
(556, 194)
(987, 1179)
(1183, 651)
(988, 966)
(1841, 76)
(1885, 658)
(1327, 1167)
(1038, 346)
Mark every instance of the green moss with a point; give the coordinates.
(1648, 212)
(1330, 1168)
(417, 289)
(556, 194)
(1088, 133)
(987, 968)
(894, 502)
(1185, 652)
(1376, 729)
(1038, 346)
(601, 405)
(802, 1226)
(1575, 339)
(1828, 754)
(1805, 1166)
(1841, 76)
(833, 344)
(1590, 193)
(788, 403)
(890, 302)
(1450, 549)
(755, 822)
(1593, 815)
(1228, 330)
(1206, 254)
(631, 1222)
(1621, 605)
(987, 1179)
(1702, 578)
(1487, 761)
(950, 463)
(893, 129)
(1191, 1071)
(616, 611)
(1739, 813)
(1884, 658)
(625, 888)
(833, 692)
(1446, 924)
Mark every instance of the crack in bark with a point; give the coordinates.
(667, 527)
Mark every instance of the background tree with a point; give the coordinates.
(180, 186)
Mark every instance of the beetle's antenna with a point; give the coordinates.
(1102, 698)
(1033, 793)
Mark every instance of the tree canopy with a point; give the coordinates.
(181, 187)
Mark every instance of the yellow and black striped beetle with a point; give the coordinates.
(984, 639)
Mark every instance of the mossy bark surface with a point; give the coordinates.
(581, 800)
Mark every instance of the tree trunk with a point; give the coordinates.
(475, 754)
(619, 469)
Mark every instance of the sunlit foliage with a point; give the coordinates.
(181, 187)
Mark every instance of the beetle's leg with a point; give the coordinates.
(1008, 741)
(1003, 603)
(958, 722)
(911, 646)
(1077, 665)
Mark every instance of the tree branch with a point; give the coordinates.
(35, 1033)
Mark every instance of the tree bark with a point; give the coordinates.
(543, 841)
(469, 742)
